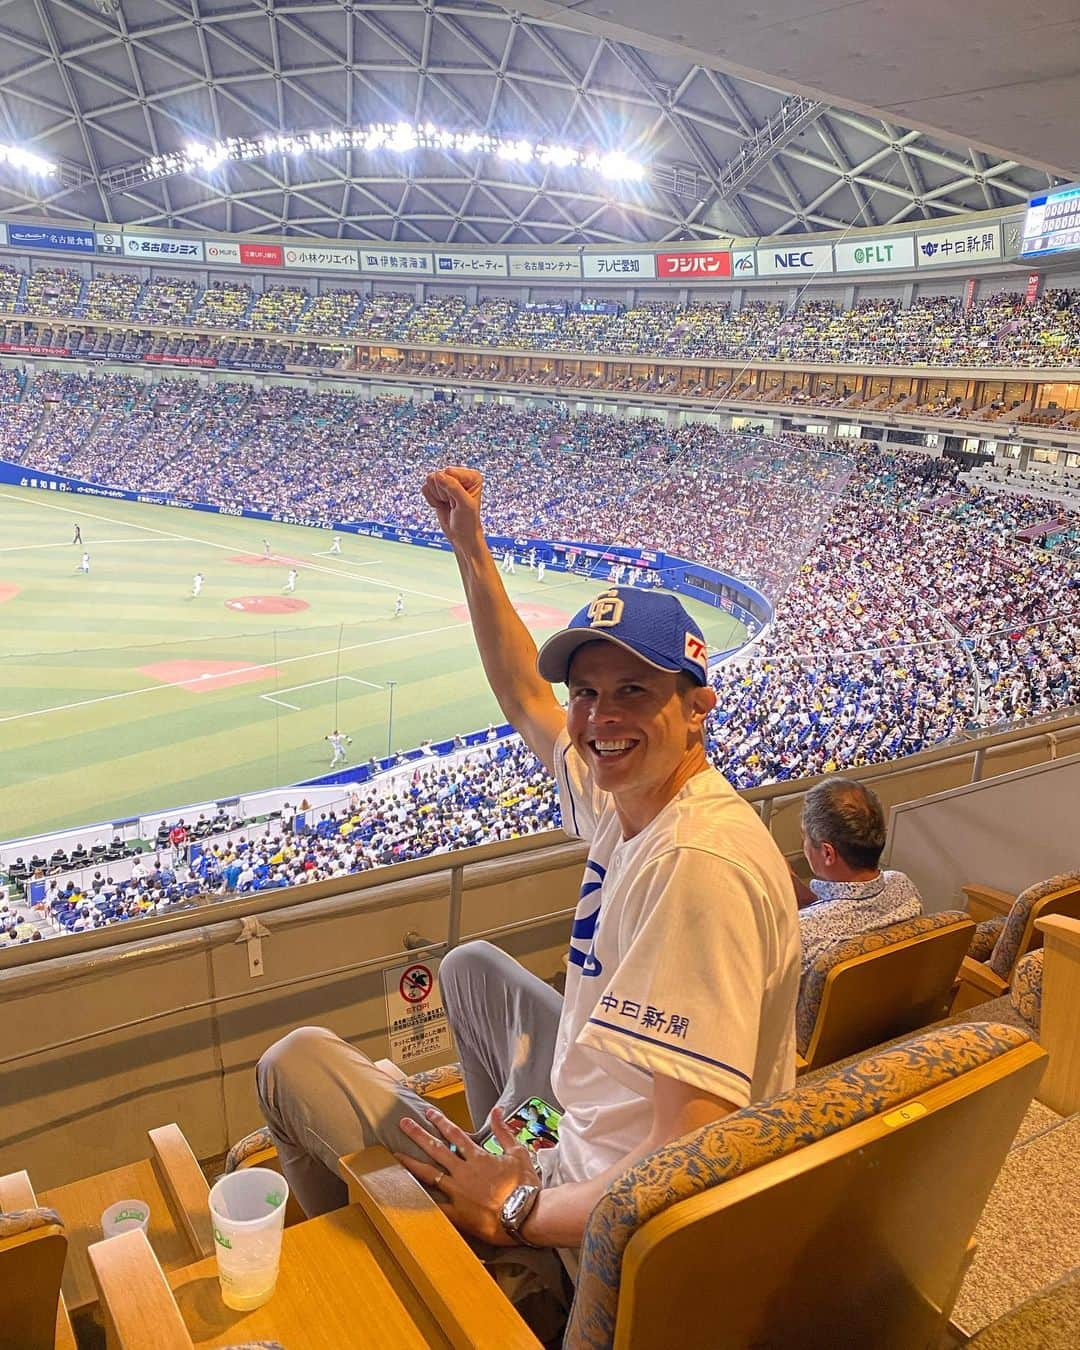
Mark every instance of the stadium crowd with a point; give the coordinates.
(908, 607)
(1000, 329)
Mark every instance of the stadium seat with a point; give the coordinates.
(1001, 940)
(839, 1213)
(170, 1182)
(873, 987)
(33, 1248)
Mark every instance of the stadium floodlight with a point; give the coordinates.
(401, 138)
(25, 160)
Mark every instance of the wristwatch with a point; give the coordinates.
(516, 1208)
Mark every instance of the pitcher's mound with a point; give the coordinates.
(531, 612)
(267, 604)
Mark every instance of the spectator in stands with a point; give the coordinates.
(684, 959)
(843, 827)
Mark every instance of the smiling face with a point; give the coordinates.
(638, 728)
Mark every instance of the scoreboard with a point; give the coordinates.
(1052, 223)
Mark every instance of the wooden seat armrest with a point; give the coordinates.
(1060, 930)
(985, 902)
(433, 1255)
(801, 1063)
(16, 1192)
(136, 1301)
(184, 1185)
(976, 984)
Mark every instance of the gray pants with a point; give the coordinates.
(323, 1098)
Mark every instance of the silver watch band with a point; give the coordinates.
(513, 1223)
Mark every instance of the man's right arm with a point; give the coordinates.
(506, 647)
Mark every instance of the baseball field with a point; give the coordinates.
(122, 692)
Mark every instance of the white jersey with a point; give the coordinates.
(684, 961)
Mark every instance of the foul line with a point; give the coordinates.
(231, 548)
(312, 684)
(97, 543)
(226, 674)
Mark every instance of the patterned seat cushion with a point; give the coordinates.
(1025, 991)
(758, 1134)
(985, 937)
(1007, 947)
(812, 985)
(245, 1148)
(16, 1221)
(430, 1080)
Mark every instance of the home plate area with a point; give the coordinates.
(203, 677)
(267, 604)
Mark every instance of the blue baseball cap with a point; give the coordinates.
(650, 624)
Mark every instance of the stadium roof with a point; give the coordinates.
(103, 85)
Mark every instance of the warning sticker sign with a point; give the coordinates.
(415, 1017)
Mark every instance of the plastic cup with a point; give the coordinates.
(124, 1216)
(247, 1209)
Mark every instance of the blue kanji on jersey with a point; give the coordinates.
(584, 929)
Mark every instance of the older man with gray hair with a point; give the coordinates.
(843, 828)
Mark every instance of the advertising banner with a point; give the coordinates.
(744, 263)
(619, 266)
(530, 266)
(64, 239)
(221, 251)
(151, 247)
(109, 241)
(467, 265)
(702, 263)
(875, 255)
(981, 244)
(798, 260)
(397, 262)
(260, 255)
(1031, 292)
(322, 257)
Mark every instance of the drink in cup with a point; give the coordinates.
(247, 1210)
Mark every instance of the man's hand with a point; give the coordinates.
(474, 1183)
(454, 493)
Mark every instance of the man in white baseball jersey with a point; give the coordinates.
(290, 585)
(399, 605)
(84, 565)
(335, 545)
(684, 951)
(196, 584)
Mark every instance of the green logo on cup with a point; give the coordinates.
(221, 1239)
(274, 1199)
(126, 1214)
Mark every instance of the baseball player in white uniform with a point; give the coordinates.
(84, 565)
(338, 742)
(399, 606)
(335, 544)
(196, 585)
(684, 951)
(290, 584)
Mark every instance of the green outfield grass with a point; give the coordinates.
(98, 718)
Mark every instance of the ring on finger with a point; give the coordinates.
(438, 1178)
